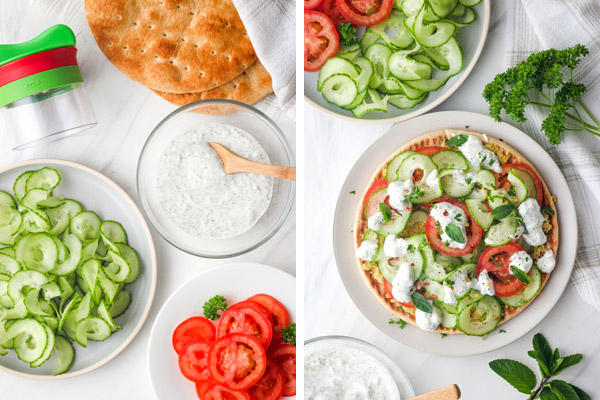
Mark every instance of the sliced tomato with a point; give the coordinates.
(329, 8)
(430, 150)
(377, 185)
(271, 386)
(203, 386)
(237, 361)
(496, 261)
(285, 355)
(504, 183)
(193, 330)
(321, 40)
(365, 12)
(219, 392)
(278, 313)
(388, 288)
(310, 4)
(193, 363)
(249, 318)
(474, 233)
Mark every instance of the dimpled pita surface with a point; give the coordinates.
(176, 46)
(250, 87)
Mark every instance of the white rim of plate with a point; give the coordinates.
(465, 73)
(154, 271)
(181, 287)
(538, 309)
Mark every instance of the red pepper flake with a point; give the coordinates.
(426, 283)
(434, 297)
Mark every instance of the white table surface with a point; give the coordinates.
(334, 146)
(126, 113)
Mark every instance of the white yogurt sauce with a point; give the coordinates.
(476, 154)
(445, 214)
(547, 262)
(533, 221)
(367, 250)
(198, 196)
(340, 373)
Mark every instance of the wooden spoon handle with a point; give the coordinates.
(450, 392)
(276, 171)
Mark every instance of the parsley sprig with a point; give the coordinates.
(212, 307)
(550, 364)
(288, 334)
(544, 79)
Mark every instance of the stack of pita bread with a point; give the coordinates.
(183, 50)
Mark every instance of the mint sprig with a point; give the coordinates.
(457, 141)
(550, 364)
(455, 233)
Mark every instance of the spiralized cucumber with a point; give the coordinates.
(61, 273)
(414, 51)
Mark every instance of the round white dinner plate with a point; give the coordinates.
(236, 282)
(377, 313)
(97, 193)
(471, 39)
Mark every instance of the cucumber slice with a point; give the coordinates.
(45, 178)
(368, 39)
(442, 8)
(368, 235)
(449, 319)
(467, 18)
(527, 179)
(469, 3)
(397, 222)
(20, 183)
(30, 339)
(366, 72)
(503, 232)
(372, 102)
(33, 197)
(418, 161)
(119, 269)
(452, 52)
(73, 244)
(10, 220)
(450, 159)
(481, 317)
(69, 207)
(408, 69)
(395, 23)
(392, 167)
(379, 55)
(454, 183)
(404, 103)
(19, 280)
(339, 89)
(105, 315)
(130, 255)
(8, 265)
(39, 252)
(437, 267)
(47, 351)
(519, 299)
(65, 354)
(86, 225)
(391, 85)
(389, 268)
(358, 100)
(336, 65)
(348, 52)
(109, 287)
(76, 315)
(411, 92)
(480, 213)
(7, 200)
(113, 231)
(518, 183)
(497, 201)
(434, 34)
(69, 307)
(120, 304)
(92, 328)
(52, 202)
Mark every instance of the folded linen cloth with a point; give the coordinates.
(543, 24)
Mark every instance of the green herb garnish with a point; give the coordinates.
(443, 335)
(386, 211)
(520, 275)
(288, 334)
(212, 307)
(347, 34)
(550, 364)
(512, 191)
(501, 331)
(502, 211)
(353, 192)
(421, 302)
(455, 233)
(548, 210)
(457, 140)
(400, 322)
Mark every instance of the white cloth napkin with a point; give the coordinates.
(544, 24)
(271, 25)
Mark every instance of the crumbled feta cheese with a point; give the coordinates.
(547, 262)
(367, 250)
(445, 214)
(428, 321)
(533, 221)
(402, 284)
(520, 260)
(394, 246)
(376, 221)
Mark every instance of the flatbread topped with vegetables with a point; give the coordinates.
(456, 233)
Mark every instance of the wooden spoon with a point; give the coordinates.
(450, 392)
(234, 163)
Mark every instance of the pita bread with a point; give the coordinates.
(176, 46)
(438, 138)
(250, 87)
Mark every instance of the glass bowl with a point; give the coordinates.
(327, 342)
(244, 117)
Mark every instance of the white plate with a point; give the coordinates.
(97, 193)
(369, 305)
(236, 282)
(471, 39)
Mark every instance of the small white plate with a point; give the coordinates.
(471, 39)
(370, 306)
(236, 282)
(98, 193)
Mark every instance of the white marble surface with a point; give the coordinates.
(334, 146)
(126, 114)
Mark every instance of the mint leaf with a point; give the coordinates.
(386, 211)
(563, 390)
(520, 275)
(544, 369)
(421, 302)
(519, 375)
(565, 363)
(455, 233)
(582, 395)
(542, 349)
(502, 211)
(457, 140)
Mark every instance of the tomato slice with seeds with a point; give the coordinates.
(202, 387)
(249, 318)
(504, 183)
(219, 392)
(193, 363)
(430, 150)
(329, 8)
(495, 260)
(310, 4)
(365, 12)
(237, 361)
(192, 330)
(388, 288)
(278, 313)
(285, 355)
(474, 233)
(321, 40)
(271, 386)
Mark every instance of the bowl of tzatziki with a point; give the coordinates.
(186, 194)
(342, 368)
